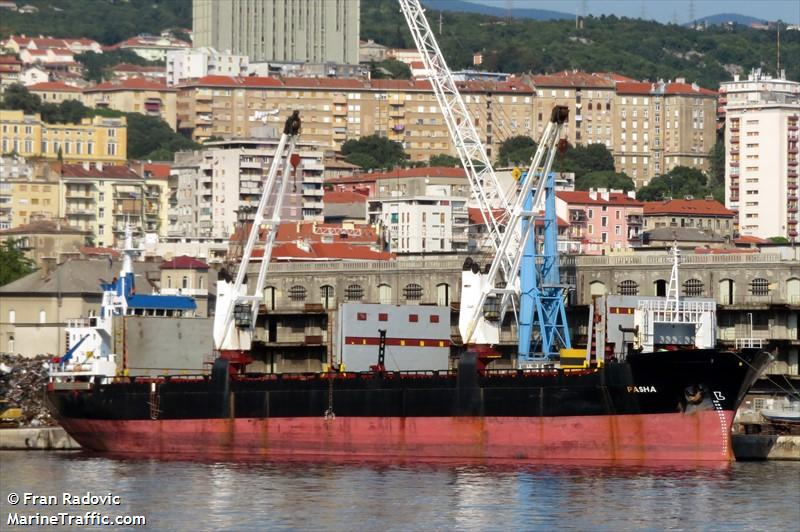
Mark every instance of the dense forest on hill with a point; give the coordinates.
(636, 48)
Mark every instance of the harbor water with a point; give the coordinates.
(210, 495)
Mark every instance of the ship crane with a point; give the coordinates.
(529, 272)
(235, 319)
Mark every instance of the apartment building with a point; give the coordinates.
(216, 187)
(335, 110)
(27, 191)
(306, 31)
(427, 181)
(97, 140)
(705, 214)
(135, 95)
(102, 199)
(604, 220)
(422, 224)
(55, 92)
(761, 170)
(757, 86)
(661, 126)
(195, 63)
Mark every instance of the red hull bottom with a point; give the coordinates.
(698, 436)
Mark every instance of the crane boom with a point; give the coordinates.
(232, 301)
(486, 188)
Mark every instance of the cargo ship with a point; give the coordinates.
(672, 405)
(672, 396)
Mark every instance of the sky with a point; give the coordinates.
(664, 10)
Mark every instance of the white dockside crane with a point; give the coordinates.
(236, 310)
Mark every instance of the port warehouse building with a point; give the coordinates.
(757, 295)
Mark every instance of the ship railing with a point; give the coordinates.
(749, 343)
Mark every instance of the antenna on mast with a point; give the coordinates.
(778, 72)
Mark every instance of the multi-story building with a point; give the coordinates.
(335, 110)
(605, 221)
(761, 170)
(661, 126)
(27, 191)
(55, 92)
(98, 139)
(135, 95)
(102, 199)
(10, 71)
(153, 47)
(18, 43)
(756, 87)
(44, 238)
(422, 224)
(196, 63)
(215, 187)
(706, 214)
(313, 31)
(428, 181)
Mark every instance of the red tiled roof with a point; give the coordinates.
(686, 88)
(157, 170)
(110, 171)
(315, 232)
(725, 251)
(53, 86)
(702, 207)
(417, 64)
(574, 78)
(634, 87)
(333, 83)
(254, 81)
(581, 197)
(433, 171)
(344, 196)
(184, 262)
(745, 239)
(9, 60)
(475, 217)
(134, 84)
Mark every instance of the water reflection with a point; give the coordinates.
(208, 495)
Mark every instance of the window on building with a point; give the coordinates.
(185, 282)
(42, 316)
(354, 292)
(412, 292)
(297, 293)
(628, 288)
(327, 296)
(693, 288)
(759, 287)
(443, 294)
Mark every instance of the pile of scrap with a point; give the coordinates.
(23, 381)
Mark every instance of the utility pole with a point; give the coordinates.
(440, 23)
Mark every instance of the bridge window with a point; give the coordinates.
(297, 293)
(354, 292)
(628, 288)
(412, 292)
(759, 287)
(693, 288)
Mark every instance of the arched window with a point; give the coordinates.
(660, 287)
(628, 288)
(269, 297)
(185, 282)
(12, 316)
(297, 293)
(443, 295)
(200, 281)
(759, 287)
(354, 292)
(693, 288)
(384, 294)
(42, 316)
(727, 292)
(597, 288)
(793, 291)
(327, 296)
(412, 292)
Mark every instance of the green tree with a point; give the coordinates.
(679, 182)
(582, 160)
(96, 66)
(716, 178)
(18, 98)
(442, 159)
(13, 263)
(604, 179)
(374, 152)
(516, 150)
(389, 69)
(778, 240)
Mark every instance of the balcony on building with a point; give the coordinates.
(152, 106)
(634, 219)
(80, 210)
(79, 193)
(577, 216)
